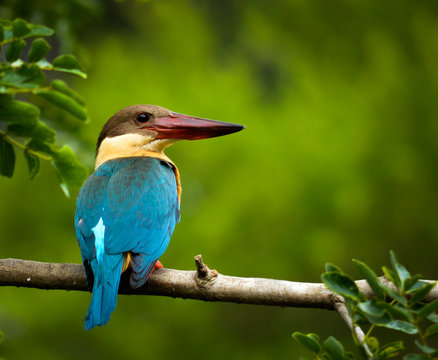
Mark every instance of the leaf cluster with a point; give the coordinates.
(22, 127)
(399, 303)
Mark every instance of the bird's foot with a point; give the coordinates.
(158, 265)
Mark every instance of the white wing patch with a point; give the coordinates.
(99, 235)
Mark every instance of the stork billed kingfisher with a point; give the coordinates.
(127, 209)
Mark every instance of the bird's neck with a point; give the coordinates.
(129, 145)
(133, 145)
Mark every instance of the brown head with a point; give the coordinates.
(153, 128)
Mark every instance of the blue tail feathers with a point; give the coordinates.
(105, 289)
(142, 266)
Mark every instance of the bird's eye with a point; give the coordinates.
(143, 117)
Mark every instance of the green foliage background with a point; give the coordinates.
(338, 161)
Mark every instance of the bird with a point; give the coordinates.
(127, 209)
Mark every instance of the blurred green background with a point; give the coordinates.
(338, 161)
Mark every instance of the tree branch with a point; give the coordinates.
(202, 284)
(342, 310)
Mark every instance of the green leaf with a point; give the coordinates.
(426, 349)
(314, 336)
(396, 310)
(431, 330)
(391, 276)
(373, 344)
(7, 158)
(19, 112)
(390, 350)
(360, 318)
(341, 284)
(427, 309)
(371, 278)
(399, 269)
(25, 77)
(334, 348)
(5, 22)
(415, 357)
(39, 131)
(400, 325)
(394, 295)
(33, 30)
(309, 341)
(421, 293)
(8, 34)
(413, 283)
(378, 320)
(44, 65)
(64, 102)
(33, 75)
(39, 30)
(33, 164)
(332, 268)
(70, 171)
(433, 317)
(62, 87)
(372, 308)
(38, 50)
(39, 146)
(2, 32)
(68, 63)
(20, 28)
(14, 50)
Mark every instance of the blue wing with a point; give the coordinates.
(128, 204)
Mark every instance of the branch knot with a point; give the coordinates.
(204, 277)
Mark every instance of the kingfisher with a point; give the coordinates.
(127, 209)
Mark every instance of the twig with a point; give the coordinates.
(342, 310)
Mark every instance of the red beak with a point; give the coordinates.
(179, 126)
